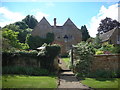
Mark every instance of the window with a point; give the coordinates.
(118, 39)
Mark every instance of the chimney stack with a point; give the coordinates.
(54, 22)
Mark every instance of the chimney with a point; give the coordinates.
(54, 22)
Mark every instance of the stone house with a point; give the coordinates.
(112, 36)
(66, 35)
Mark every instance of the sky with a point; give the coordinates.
(81, 13)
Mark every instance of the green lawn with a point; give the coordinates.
(67, 61)
(101, 83)
(20, 81)
(0, 82)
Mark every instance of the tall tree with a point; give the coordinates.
(85, 33)
(20, 27)
(10, 39)
(21, 24)
(30, 21)
(107, 24)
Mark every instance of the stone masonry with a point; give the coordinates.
(66, 35)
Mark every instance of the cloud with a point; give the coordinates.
(7, 16)
(39, 15)
(111, 12)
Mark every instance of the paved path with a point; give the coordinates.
(67, 79)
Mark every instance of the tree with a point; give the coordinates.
(20, 27)
(85, 33)
(10, 38)
(107, 24)
(21, 24)
(30, 21)
(36, 41)
(97, 42)
(50, 37)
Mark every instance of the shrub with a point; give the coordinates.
(24, 70)
(84, 55)
(116, 49)
(47, 55)
(99, 52)
(108, 49)
(103, 74)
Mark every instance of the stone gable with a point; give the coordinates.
(66, 35)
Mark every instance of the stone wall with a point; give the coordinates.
(25, 61)
(20, 61)
(68, 29)
(106, 62)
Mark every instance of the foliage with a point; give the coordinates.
(36, 41)
(21, 24)
(24, 82)
(108, 49)
(21, 28)
(12, 27)
(116, 49)
(85, 33)
(48, 54)
(49, 37)
(24, 70)
(10, 38)
(90, 40)
(23, 34)
(45, 57)
(101, 73)
(99, 52)
(84, 55)
(97, 42)
(107, 24)
(30, 21)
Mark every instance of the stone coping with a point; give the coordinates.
(107, 55)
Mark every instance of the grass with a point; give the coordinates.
(101, 82)
(67, 61)
(21, 81)
(0, 82)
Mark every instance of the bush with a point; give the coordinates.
(116, 49)
(47, 55)
(99, 52)
(83, 53)
(37, 41)
(24, 70)
(108, 49)
(103, 74)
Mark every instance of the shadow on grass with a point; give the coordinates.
(105, 79)
(98, 79)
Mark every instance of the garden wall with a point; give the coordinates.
(106, 62)
(25, 60)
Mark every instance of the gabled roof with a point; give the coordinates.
(106, 36)
(44, 21)
(69, 22)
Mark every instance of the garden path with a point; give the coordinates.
(63, 65)
(67, 79)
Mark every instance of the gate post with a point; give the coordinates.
(71, 56)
